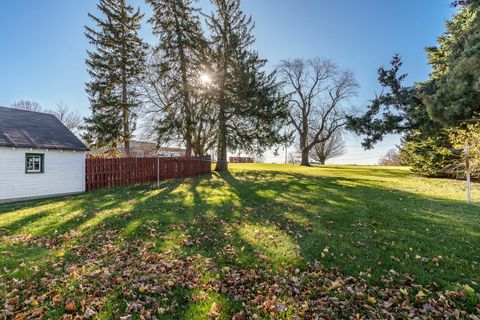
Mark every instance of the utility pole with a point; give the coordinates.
(467, 172)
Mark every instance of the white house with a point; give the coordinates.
(39, 156)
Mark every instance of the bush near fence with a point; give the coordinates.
(105, 173)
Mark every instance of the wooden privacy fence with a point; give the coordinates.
(104, 173)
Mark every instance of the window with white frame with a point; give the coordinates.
(34, 163)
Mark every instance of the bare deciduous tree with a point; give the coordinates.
(27, 105)
(159, 108)
(294, 157)
(328, 149)
(162, 112)
(204, 129)
(70, 118)
(391, 158)
(318, 90)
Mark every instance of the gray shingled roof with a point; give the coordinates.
(27, 129)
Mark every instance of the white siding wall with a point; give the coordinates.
(64, 172)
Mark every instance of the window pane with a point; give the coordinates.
(30, 163)
(34, 163)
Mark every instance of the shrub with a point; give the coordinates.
(432, 156)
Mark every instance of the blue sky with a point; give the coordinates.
(43, 48)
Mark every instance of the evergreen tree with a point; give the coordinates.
(181, 47)
(251, 108)
(454, 91)
(425, 145)
(409, 110)
(430, 155)
(115, 66)
(398, 109)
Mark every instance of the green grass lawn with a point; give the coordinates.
(178, 247)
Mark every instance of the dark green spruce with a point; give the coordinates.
(251, 109)
(454, 91)
(397, 110)
(177, 25)
(115, 65)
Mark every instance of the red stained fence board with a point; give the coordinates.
(106, 173)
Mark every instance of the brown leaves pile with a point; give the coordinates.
(145, 280)
(315, 293)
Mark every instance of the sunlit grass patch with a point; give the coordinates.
(270, 244)
(171, 241)
(198, 304)
(17, 260)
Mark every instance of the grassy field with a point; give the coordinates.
(184, 249)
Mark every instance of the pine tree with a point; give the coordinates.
(115, 66)
(424, 112)
(454, 91)
(178, 27)
(251, 109)
(397, 110)
(451, 94)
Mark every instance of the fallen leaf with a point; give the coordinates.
(89, 313)
(420, 295)
(214, 310)
(70, 307)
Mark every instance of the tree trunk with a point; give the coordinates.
(222, 164)
(322, 158)
(303, 147)
(126, 129)
(126, 115)
(126, 139)
(185, 88)
(127, 147)
(188, 146)
(305, 160)
(304, 140)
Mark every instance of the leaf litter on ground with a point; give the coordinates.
(146, 281)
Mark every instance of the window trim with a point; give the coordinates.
(42, 163)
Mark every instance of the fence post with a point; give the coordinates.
(158, 171)
(86, 175)
(467, 172)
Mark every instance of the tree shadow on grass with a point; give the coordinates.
(354, 225)
(279, 219)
